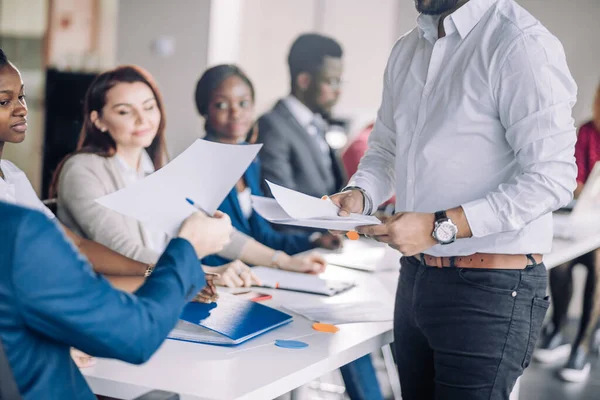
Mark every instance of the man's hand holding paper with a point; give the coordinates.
(293, 208)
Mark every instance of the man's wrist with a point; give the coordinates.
(458, 216)
(367, 202)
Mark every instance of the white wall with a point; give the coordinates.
(186, 22)
(577, 24)
(23, 18)
(267, 33)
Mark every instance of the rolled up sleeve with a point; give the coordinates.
(535, 93)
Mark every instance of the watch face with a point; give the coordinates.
(445, 232)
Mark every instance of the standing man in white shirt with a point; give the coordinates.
(475, 133)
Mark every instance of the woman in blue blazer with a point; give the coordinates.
(255, 225)
(225, 98)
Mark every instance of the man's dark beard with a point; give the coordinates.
(435, 7)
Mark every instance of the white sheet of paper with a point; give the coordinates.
(205, 172)
(301, 206)
(270, 210)
(300, 282)
(345, 313)
(294, 208)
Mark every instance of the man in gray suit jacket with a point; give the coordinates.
(295, 153)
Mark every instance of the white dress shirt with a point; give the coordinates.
(158, 240)
(245, 200)
(480, 118)
(15, 188)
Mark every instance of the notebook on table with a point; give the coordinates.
(299, 282)
(229, 321)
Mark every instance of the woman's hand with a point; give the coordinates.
(81, 359)
(235, 274)
(209, 293)
(311, 263)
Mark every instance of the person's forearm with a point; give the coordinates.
(104, 260)
(126, 283)
(256, 253)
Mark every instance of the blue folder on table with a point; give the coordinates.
(227, 322)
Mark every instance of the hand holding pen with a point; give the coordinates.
(207, 234)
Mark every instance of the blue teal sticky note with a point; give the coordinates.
(290, 344)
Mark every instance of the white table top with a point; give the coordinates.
(260, 370)
(256, 369)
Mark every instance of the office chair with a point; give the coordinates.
(8, 386)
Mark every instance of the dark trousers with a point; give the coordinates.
(466, 334)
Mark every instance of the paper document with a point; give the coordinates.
(345, 313)
(205, 172)
(294, 208)
(299, 282)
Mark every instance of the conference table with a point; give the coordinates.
(257, 369)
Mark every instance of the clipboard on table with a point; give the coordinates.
(228, 322)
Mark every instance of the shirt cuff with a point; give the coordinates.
(368, 202)
(481, 218)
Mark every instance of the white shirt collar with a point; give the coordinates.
(146, 165)
(18, 190)
(302, 113)
(462, 20)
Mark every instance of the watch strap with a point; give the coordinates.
(439, 215)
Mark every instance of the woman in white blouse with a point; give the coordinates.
(123, 140)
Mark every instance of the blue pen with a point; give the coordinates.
(196, 205)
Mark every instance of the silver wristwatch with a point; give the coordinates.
(444, 230)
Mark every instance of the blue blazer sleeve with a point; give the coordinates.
(60, 296)
(262, 230)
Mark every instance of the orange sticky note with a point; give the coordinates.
(352, 235)
(327, 328)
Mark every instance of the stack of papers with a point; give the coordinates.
(345, 313)
(294, 208)
(299, 282)
(159, 200)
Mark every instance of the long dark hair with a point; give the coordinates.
(92, 140)
(210, 81)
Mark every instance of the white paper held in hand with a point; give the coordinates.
(205, 172)
(294, 208)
